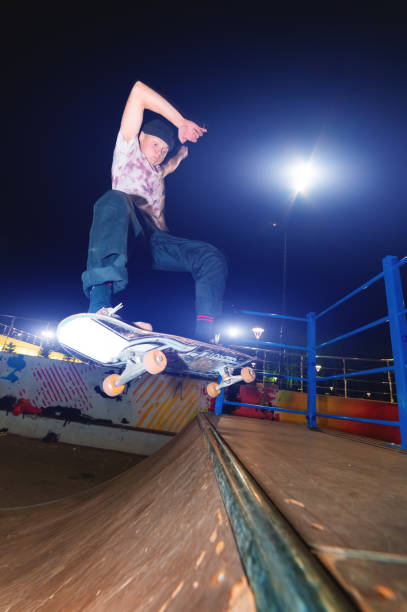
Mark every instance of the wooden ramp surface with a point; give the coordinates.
(156, 538)
(346, 496)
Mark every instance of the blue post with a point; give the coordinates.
(312, 375)
(219, 399)
(398, 334)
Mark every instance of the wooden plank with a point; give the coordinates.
(339, 493)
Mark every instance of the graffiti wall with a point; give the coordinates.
(39, 394)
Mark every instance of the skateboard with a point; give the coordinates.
(112, 342)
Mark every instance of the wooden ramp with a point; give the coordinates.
(157, 537)
(346, 496)
(154, 538)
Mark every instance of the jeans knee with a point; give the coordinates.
(216, 260)
(111, 200)
(220, 257)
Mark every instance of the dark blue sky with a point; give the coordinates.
(269, 91)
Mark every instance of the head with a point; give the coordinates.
(156, 139)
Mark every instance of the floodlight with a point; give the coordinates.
(233, 332)
(257, 331)
(303, 175)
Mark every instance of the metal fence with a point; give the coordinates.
(312, 380)
(270, 365)
(12, 334)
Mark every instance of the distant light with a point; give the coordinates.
(303, 175)
(47, 333)
(257, 331)
(233, 332)
(318, 367)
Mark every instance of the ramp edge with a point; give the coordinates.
(282, 571)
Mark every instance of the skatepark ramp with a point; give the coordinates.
(186, 529)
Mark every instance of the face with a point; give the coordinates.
(153, 148)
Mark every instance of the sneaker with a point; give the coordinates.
(112, 312)
(109, 311)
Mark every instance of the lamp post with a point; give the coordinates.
(257, 332)
(300, 176)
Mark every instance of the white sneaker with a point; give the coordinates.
(111, 312)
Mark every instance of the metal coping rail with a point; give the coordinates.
(282, 571)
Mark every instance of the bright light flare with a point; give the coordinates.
(303, 176)
(47, 333)
(233, 332)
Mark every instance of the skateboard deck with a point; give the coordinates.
(111, 342)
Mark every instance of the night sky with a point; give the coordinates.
(270, 91)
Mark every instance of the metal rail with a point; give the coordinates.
(396, 319)
(282, 571)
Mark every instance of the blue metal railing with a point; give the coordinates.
(396, 317)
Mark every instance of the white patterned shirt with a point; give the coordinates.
(133, 174)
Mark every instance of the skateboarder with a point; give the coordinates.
(137, 196)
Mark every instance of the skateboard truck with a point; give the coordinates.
(140, 358)
(153, 362)
(247, 374)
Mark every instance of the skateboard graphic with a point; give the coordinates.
(112, 342)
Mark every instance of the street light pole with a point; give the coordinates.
(257, 332)
(283, 299)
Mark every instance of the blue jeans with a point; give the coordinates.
(107, 256)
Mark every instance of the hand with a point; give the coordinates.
(182, 153)
(189, 130)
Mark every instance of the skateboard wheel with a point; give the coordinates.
(248, 374)
(212, 389)
(155, 361)
(109, 386)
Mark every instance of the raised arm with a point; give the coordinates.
(174, 161)
(143, 97)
